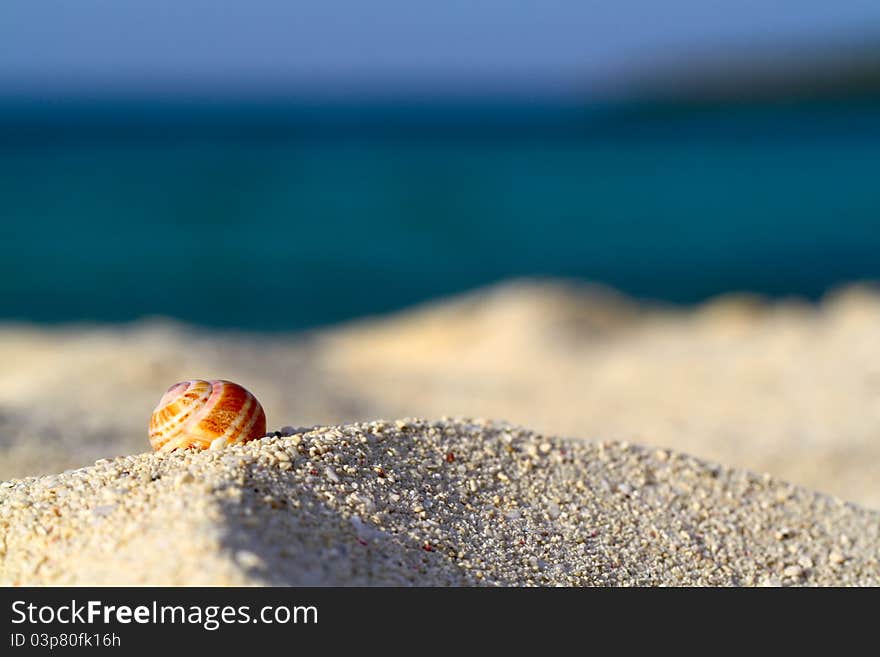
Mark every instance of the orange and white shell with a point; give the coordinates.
(205, 415)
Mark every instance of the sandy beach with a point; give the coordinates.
(429, 503)
(730, 444)
(788, 388)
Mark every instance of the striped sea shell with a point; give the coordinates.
(205, 415)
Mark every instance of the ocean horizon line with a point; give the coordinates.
(34, 119)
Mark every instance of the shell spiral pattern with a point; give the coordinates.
(205, 415)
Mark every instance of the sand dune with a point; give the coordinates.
(787, 388)
(428, 503)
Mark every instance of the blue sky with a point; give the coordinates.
(217, 45)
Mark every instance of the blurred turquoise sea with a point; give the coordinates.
(286, 215)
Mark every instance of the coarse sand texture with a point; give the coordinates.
(784, 387)
(453, 502)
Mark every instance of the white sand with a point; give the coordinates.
(411, 502)
(790, 389)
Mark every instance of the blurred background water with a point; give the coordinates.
(282, 166)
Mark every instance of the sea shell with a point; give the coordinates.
(205, 415)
